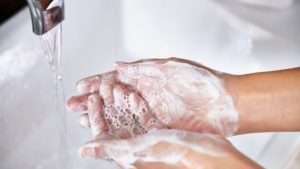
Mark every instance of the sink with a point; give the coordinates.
(98, 33)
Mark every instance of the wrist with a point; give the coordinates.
(244, 101)
(267, 101)
(231, 159)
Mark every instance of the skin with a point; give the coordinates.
(267, 101)
(246, 102)
(156, 150)
(175, 93)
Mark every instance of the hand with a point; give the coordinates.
(169, 149)
(156, 93)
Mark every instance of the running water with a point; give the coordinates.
(52, 44)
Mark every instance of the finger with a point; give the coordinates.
(84, 120)
(133, 113)
(117, 115)
(102, 147)
(127, 151)
(119, 166)
(93, 150)
(139, 108)
(120, 93)
(107, 148)
(77, 103)
(106, 87)
(89, 85)
(95, 114)
(110, 148)
(141, 112)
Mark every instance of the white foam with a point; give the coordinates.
(182, 91)
(127, 154)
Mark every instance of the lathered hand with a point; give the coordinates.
(169, 149)
(156, 93)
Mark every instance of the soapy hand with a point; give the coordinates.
(112, 108)
(155, 93)
(169, 149)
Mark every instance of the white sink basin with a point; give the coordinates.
(98, 33)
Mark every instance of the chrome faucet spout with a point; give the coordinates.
(45, 14)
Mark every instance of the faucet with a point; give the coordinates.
(45, 14)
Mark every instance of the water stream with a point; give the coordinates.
(52, 45)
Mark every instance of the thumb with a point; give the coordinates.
(151, 147)
(102, 149)
(121, 151)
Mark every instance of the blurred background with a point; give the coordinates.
(234, 36)
(9, 8)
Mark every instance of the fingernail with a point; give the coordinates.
(75, 108)
(81, 108)
(84, 121)
(96, 131)
(92, 98)
(68, 108)
(81, 87)
(87, 152)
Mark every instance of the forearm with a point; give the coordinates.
(267, 101)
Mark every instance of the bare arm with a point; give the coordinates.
(267, 101)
